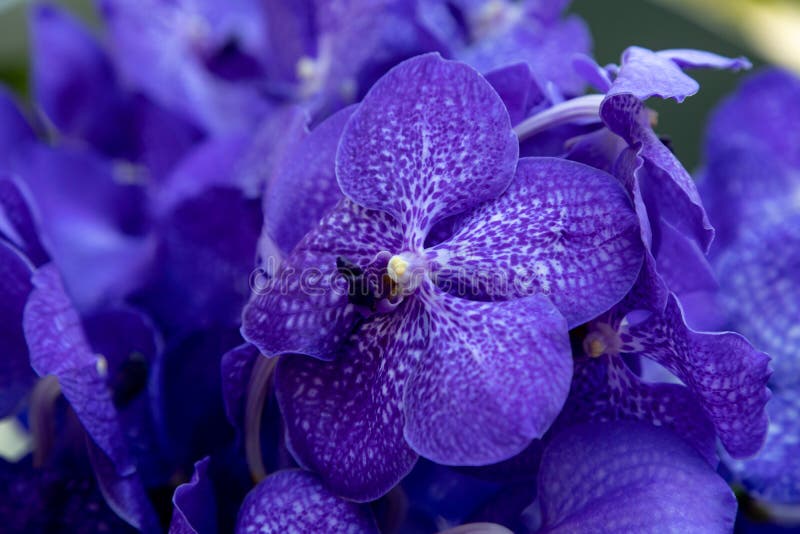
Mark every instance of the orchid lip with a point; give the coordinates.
(581, 110)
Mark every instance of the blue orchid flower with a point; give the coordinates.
(756, 259)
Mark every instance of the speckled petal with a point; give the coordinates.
(344, 419)
(296, 502)
(16, 376)
(430, 139)
(687, 58)
(304, 187)
(760, 290)
(606, 389)
(128, 341)
(58, 346)
(669, 191)
(650, 291)
(774, 474)
(195, 505)
(644, 73)
(726, 374)
(562, 229)
(494, 378)
(630, 477)
(627, 165)
(304, 307)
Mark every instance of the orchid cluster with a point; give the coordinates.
(390, 266)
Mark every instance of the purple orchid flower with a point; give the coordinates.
(594, 477)
(432, 307)
(657, 180)
(103, 358)
(624, 476)
(664, 185)
(132, 397)
(225, 69)
(322, 55)
(729, 385)
(720, 373)
(58, 346)
(78, 90)
(757, 260)
(531, 33)
(424, 352)
(743, 141)
(155, 250)
(132, 237)
(177, 39)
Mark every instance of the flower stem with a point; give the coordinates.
(582, 110)
(257, 390)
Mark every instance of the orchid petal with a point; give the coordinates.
(493, 379)
(726, 374)
(760, 291)
(630, 477)
(304, 307)
(345, 418)
(431, 139)
(194, 502)
(58, 346)
(296, 501)
(304, 187)
(606, 389)
(562, 229)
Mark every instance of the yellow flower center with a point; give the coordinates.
(596, 348)
(397, 268)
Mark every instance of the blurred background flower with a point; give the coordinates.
(766, 31)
